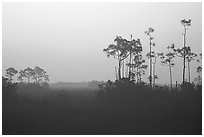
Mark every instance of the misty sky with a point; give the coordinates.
(67, 39)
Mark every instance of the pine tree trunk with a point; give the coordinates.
(170, 77)
(130, 66)
(154, 75)
(184, 58)
(189, 73)
(116, 73)
(150, 80)
(123, 69)
(119, 70)
(126, 69)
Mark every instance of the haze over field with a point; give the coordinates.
(102, 68)
(67, 39)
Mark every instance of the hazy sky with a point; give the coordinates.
(67, 39)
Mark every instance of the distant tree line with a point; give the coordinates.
(35, 75)
(30, 78)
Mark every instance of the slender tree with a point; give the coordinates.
(130, 47)
(134, 48)
(189, 57)
(154, 60)
(168, 60)
(139, 66)
(151, 43)
(154, 75)
(185, 25)
(184, 52)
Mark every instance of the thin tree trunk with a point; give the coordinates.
(150, 80)
(184, 71)
(116, 73)
(170, 77)
(176, 85)
(127, 69)
(184, 58)
(189, 72)
(130, 66)
(119, 72)
(154, 75)
(140, 75)
(123, 69)
(137, 74)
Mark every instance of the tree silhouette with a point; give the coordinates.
(118, 51)
(130, 47)
(39, 75)
(199, 70)
(10, 72)
(185, 25)
(151, 43)
(154, 60)
(184, 52)
(140, 67)
(189, 57)
(200, 61)
(167, 59)
(21, 75)
(134, 48)
(121, 50)
(28, 72)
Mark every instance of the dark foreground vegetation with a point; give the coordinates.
(117, 108)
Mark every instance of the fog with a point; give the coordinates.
(67, 39)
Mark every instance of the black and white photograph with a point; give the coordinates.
(101, 68)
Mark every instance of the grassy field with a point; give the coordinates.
(83, 112)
